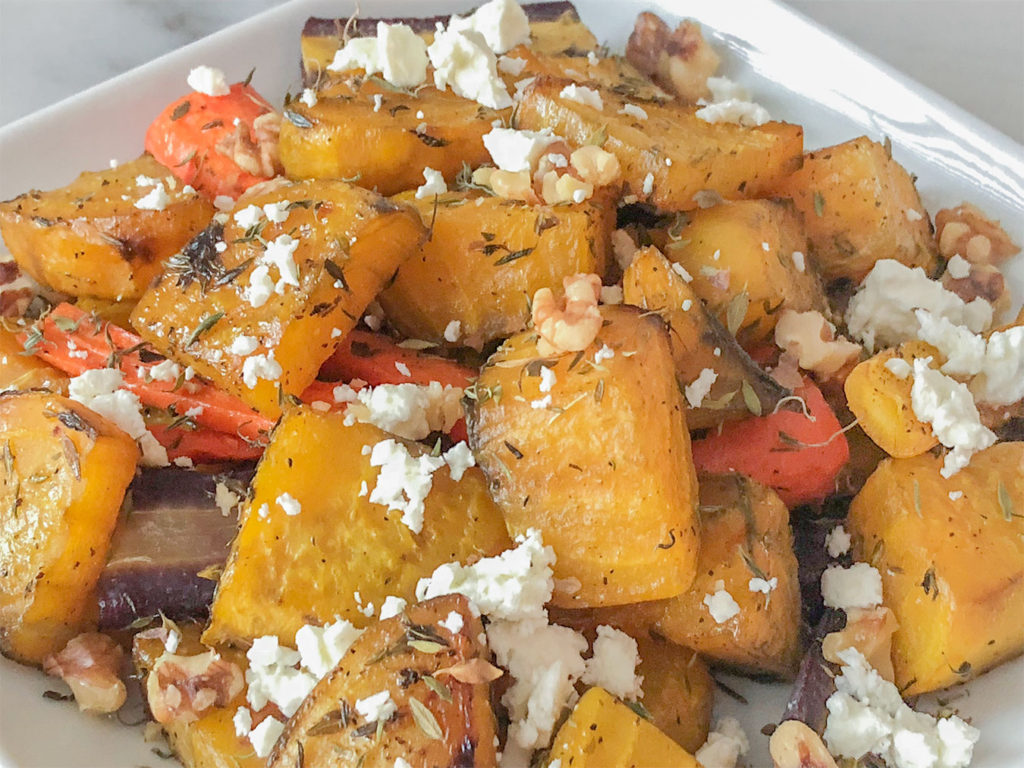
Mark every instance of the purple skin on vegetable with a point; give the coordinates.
(172, 532)
(814, 681)
(810, 528)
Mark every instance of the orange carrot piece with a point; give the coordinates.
(797, 456)
(186, 135)
(203, 445)
(75, 342)
(376, 359)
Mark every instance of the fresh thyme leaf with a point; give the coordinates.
(639, 709)
(248, 78)
(750, 398)
(199, 261)
(748, 560)
(425, 719)
(736, 312)
(181, 110)
(1005, 502)
(204, 325)
(513, 450)
(297, 120)
(337, 273)
(438, 687)
(426, 646)
(431, 141)
(56, 696)
(819, 204)
(917, 497)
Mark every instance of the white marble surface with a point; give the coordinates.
(968, 50)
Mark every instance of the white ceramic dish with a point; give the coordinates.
(800, 72)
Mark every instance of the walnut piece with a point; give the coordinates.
(680, 62)
(965, 230)
(255, 151)
(984, 281)
(90, 664)
(181, 688)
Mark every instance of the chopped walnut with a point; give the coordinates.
(965, 230)
(90, 664)
(572, 324)
(869, 630)
(811, 337)
(255, 151)
(984, 281)
(183, 687)
(680, 62)
(794, 745)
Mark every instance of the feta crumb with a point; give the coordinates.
(463, 62)
(516, 151)
(434, 184)
(859, 586)
(225, 499)
(547, 378)
(397, 53)
(913, 214)
(263, 512)
(766, 247)
(687, 303)
(765, 586)
(156, 200)
(208, 80)
(452, 330)
(632, 110)
(700, 387)
(289, 504)
(243, 345)
(248, 217)
(265, 735)
(955, 495)
(604, 353)
(364, 489)
(502, 23)
(866, 714)
(613, 664)
(541, 403)
(393, 606)
(400, 762)
(898, 367)
(721, 605)
(799, 261)
(837, 542)
(403, 480)
(220, 246)
(278, 212)
(242, 722)
(958, 267)
(167, 371)
(453, 622)
(321, 648)
(260, 367)
(725, 744)
(611, 294)
(183, 461)
(260, 288)
(402, 368)
(376, 708)
(947, 405)
(745, 113)
(680, 270)
(308, 97)
(378, 101)
(280, 252)
(459, 458)
(648, 184)
(511, 65)
(583, 95)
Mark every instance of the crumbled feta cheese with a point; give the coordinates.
(403, 480)
(208, 80)
(263, 512)
(400, 762)
(799, 261)
(248, 217)
(898, 367)
(502, 23)
(278, 212)
(632, 110)
(392, 606)
(721, 604)
(745, 113)
(156, 200)
(648, 184)
(725, 744)
(459, 458)
(764, 586)
(511, 65)
(223, 203)
(955, 495)
(913, 214)
(265, 735)
(260, 367)
(680, 270)
(434, 184)
(411, 411)
(453, 622)
(463, 62)
(280, 252)
(100, 390)
(452, 330)
(859, 586)
(583, 95)
(547, 378)
(958, 267)
(516, 151)
(700, 387)
(541, 403)
(723, 89)
(308, 97)
(766, 247)
(183, 461)
(604, 353)
(613, 664)
(242, 722)
(837, 542)
(881, 313)
(947, 405)
(514, 585)
(866, 714)
(243, 345)
(378, 102)
(167, 371)
(611, 294)
(321, 648)
(289, 504)
(220, 246)
(260, 288)
(376, 708)
(225, 499)
(397, 53)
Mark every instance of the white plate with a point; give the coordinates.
(797, 70)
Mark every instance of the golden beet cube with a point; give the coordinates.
(485, 258)
(63, 474)
(311, 539)
(600, 464)
(256, 305)
(108, 233)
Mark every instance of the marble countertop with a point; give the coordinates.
(967, 50)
